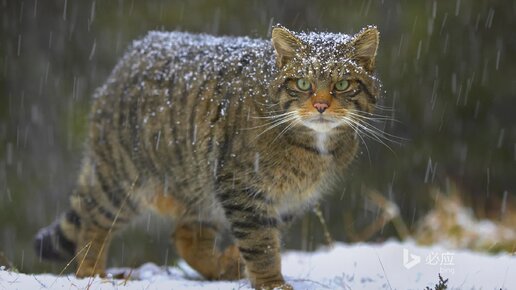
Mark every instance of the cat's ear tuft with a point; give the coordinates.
(365, 44)
(286, 45)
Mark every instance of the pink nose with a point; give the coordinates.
(321, 107)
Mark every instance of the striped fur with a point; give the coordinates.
(188, 125)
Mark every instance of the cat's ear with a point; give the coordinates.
(286, 45)
(365, 44)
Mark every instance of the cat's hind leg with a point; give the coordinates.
(83, 233)
(105, 203)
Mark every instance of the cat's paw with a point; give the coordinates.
(279, 285)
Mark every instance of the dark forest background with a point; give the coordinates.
(448, 71)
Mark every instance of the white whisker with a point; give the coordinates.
(371, 116)
(291, 125)
(360, 119)
(278, 123)
(387, 136)
(357, 132)
(271, 122)
(274, 116)
(383, 108)
(375, 131)
(369, 132)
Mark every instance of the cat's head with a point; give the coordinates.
(325, 80)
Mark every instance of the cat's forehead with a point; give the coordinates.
(325, 52)
(326, 47)
(324, 41)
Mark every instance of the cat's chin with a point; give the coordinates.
(321, 125)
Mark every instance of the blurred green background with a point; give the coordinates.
(448, 69)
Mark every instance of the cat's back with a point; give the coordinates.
(172, 65)
(163, 56)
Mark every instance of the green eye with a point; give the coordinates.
(303, 84)
(342, 85)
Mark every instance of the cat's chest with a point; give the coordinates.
(298, 179)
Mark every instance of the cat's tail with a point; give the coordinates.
(58, 240)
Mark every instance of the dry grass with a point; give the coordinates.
(454, 224)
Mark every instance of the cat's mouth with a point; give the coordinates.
(321, 123)
(321, 120)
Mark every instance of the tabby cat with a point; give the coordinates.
(220, 133)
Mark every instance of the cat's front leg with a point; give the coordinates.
(261, 253)
(255, 228)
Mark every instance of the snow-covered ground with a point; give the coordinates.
(391, 265)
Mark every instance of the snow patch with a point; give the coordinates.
(360, 266)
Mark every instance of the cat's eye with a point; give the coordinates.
(342, 85)
(303, 84)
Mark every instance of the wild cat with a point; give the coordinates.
(220, 133)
